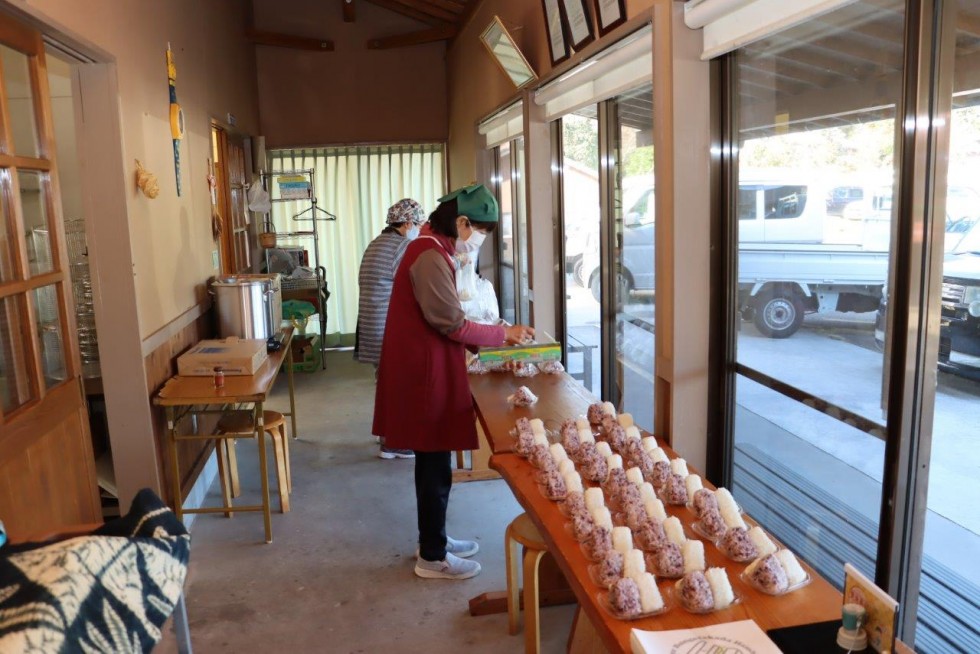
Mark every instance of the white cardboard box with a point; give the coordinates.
(235, 356)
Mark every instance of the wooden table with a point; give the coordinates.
(181, 395)
(559, 397)
(594, 630)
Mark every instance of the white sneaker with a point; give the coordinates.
(464, 549)
(452, 567)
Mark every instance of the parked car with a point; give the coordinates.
(785, 269)
(875, 213)
(959, 328)
(840, 196)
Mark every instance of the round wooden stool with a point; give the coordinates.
(240, 423)
(521, 531)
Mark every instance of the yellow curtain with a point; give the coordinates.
(356, 184)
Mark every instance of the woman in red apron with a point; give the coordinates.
(423, 400)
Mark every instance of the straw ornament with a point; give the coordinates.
(146, 181)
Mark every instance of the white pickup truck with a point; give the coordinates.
(786, 267)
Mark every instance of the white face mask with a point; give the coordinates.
(472, 244)
(413, 232)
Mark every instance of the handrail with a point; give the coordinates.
(846, 416)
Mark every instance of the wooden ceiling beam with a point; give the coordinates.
(452, 6)
(465, 18)
(399, 8)
(349, 10)
(279, 40)
(430, 9)
(412, 38)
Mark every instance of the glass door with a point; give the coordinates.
(512, 258)
(816, 133)
(631, 138)
(581, 228)
(949, 614)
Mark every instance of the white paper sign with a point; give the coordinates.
(743, 637)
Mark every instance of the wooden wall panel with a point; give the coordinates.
(39, 493)
(160, 365)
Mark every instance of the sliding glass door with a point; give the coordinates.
(505, 238)
(633, 246)
(512, 276)
(949, 609)
(581, 227)
(854, 270)
(608, 228)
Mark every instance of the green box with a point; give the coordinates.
(543, 349)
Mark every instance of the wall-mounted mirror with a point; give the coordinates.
(505, 53)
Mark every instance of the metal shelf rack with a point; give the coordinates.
(311, 217)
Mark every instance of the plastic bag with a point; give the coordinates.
(258, 199)
(476, 367)
(525, 370)
(551, 367)
(522, 397)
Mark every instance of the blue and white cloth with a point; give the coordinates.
(110, 591)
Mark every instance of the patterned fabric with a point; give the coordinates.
(406, 210)
(111, 591)
(375, 280)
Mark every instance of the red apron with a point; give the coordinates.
(423, 399)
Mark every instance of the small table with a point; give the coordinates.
(188, 392)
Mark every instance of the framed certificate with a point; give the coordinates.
(578, 23)
(557, 39)
(610, 14)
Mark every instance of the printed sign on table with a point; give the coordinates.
(742, 637)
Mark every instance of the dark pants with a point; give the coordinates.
(433, 479)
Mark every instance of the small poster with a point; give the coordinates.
(294, 187)
(882, 610)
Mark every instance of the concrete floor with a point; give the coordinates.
(338, 576)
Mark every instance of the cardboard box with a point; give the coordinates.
(305, 353)
(235, 356)
(544, 348)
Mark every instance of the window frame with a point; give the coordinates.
(915, 278)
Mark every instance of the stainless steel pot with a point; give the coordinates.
(248, 306)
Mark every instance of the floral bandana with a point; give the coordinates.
(404, 211)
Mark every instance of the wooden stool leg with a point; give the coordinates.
(513, 583)
(277, 453)
(285, 453)
(222, 453)
(236, 488)
(532, 627)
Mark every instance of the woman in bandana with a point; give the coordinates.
(375, 280)
(423, 400)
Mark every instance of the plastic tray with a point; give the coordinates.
(736, 600)
(751, 582)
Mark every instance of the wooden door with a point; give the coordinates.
(47, 469)
(230, 176)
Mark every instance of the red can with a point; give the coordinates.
(219, 377)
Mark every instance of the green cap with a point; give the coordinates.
(476, 202)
